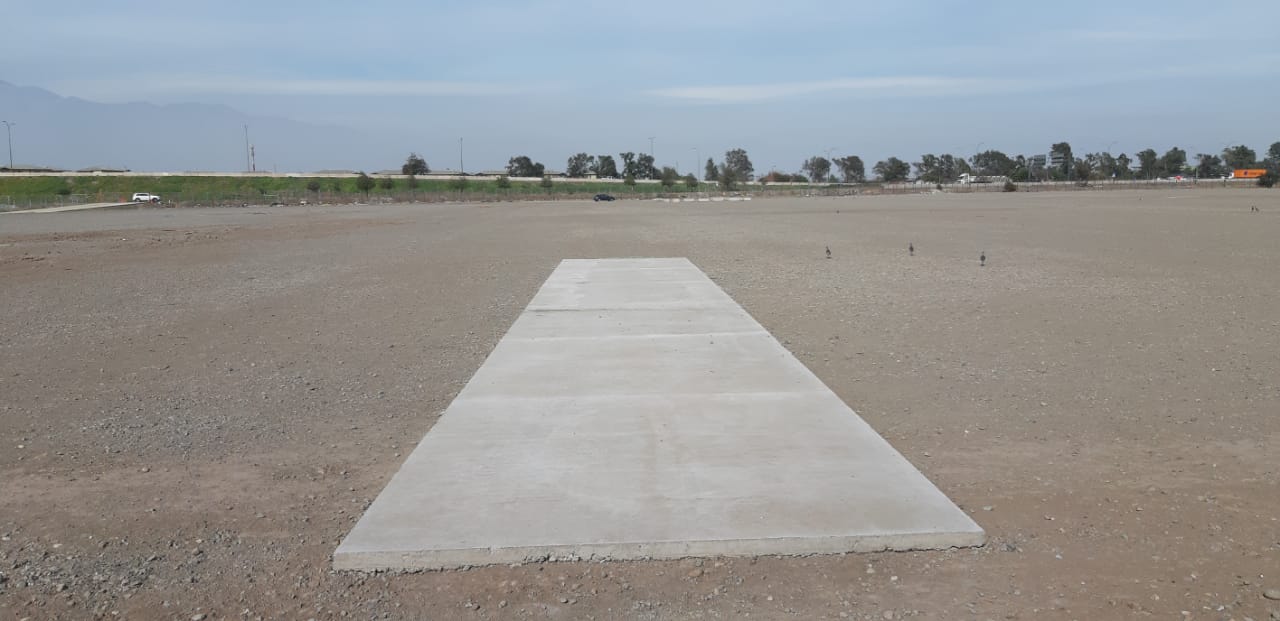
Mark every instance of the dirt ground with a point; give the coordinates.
(196, 405)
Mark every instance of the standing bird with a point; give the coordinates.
(982, 259)
(828, 252)
(911, 249)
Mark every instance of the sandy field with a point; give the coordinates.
(197, 404)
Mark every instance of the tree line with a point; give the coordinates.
(1060, 164)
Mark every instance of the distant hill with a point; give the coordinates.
(71, 133)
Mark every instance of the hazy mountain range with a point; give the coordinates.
(50, 130)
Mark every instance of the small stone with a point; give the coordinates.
(502, 604)
(197, 617)
(564, 600)
(1271, 594)
(695, 572)
(888, 615)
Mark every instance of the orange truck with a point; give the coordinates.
(1248, 173)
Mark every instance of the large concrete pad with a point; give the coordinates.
(634, 410)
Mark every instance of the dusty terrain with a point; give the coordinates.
(195, 405)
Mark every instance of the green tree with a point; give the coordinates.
(993, 164)
(1173, 162)
(629, 167)
(1084, 170)
(1148, 164)
(691, 182)
(945, 168)
(414, 165)
(364, 183)
(1122, 167)
(579, 165)
(818, 168)
(629, 180)
(852, 169)
(737, 160)
(645, 168)
(728, 177)
(605, 167)
(1239, 156)
(669, 176)
(522, 166)
(1209, 166)
(1273, 154)
(503, 182)
(710, 172)
(1021, 169)
(892, 170)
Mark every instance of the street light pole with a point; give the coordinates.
(9, 129)
(248, 159)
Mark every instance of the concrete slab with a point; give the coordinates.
(62, 208)
(634, 410)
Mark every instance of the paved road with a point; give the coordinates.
(72, 208)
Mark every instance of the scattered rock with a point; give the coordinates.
(1271, 594)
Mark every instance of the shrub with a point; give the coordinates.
(387, 183)
(546, 181)
(459, 184)
(504, 182)
(313, 185)
(364, 183)
(1267, 180)
(1009, 186)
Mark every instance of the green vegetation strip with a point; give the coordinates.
(197, 189)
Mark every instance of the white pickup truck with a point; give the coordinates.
(144, 197)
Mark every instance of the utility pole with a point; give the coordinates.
(9, 129)
(248, 158)
(461, 167)
(253, 159)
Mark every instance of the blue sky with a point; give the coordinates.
(783, 80)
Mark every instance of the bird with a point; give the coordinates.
(911, 249)
(982, 259)
(828, 252)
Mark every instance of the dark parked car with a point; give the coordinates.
(602, 197)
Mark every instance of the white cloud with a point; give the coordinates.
(1133, 36)
(132, 88)
(879, 86)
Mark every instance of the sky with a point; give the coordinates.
(488, 80)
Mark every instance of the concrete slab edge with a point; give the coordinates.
(428, 560)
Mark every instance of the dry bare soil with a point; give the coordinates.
(196, 405)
